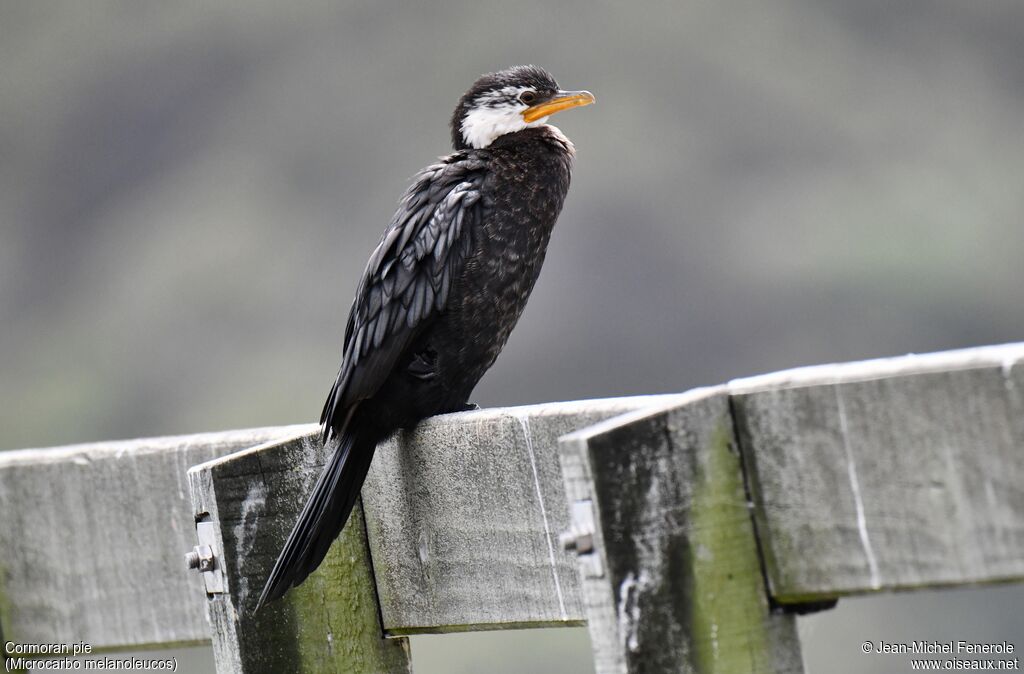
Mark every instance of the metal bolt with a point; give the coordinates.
(200, 558)
(567, 540)
(579, 542)
(580, 538)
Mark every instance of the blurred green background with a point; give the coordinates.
(188, 192)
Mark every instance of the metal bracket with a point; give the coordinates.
(580, 539)
(204, 559)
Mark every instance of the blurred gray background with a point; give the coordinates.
(188, 192)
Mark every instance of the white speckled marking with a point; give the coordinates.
(252, 508)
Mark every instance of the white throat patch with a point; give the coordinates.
(489, 119)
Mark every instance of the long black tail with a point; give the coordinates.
(326, 511)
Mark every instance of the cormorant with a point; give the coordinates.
(442, 290)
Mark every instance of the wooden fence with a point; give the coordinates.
(678, 528)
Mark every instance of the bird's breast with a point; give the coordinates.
(523, 196)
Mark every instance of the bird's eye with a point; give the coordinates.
(528, 97)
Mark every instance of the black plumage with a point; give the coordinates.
(441, 292)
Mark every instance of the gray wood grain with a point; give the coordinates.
(463, 516)
(92, 538)
(462, 519)
(331, 622)
(892, 474)
(677, 584)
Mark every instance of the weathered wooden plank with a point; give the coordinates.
(673, 582)
(882, 475)
(890, 474)
(463, 516)
(331, 622)
(92, 538)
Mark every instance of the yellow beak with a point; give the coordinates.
(563, 100)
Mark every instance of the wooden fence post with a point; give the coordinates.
(892, 474)
(331, 623)
(440, 499)
(669, 565)
(887, 475)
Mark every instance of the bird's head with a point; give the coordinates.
(507, 101)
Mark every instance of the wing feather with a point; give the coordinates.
(408, 278)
